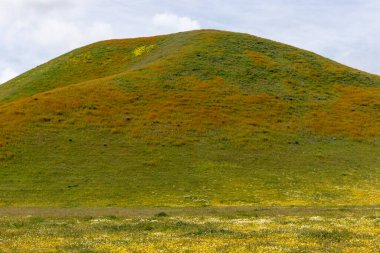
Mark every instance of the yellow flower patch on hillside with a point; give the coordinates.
(143, 49)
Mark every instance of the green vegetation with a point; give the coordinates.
(119, 172)
(202, 118)
(228, 232)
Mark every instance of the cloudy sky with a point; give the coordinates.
(34, 31)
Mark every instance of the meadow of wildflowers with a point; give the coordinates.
(193, 233)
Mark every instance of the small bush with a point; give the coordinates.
(162, 214)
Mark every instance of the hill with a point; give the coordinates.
(195, 118)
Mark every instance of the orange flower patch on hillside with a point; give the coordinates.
(356, 113)
(262, 60)
(156, 115)
(190, 110)
(96, 104)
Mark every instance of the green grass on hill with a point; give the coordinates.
(98, 168)
(190, 119)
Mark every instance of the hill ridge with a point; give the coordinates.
(137, 64)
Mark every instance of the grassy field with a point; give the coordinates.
(122, 172)
(194, 230)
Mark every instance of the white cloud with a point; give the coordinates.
(7, 74)
(34, 31)
(173, 23)
(64, 35)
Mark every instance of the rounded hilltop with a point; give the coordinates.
(204, 117)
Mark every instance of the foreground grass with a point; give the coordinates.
(262, 231)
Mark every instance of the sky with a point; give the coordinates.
(35, 31)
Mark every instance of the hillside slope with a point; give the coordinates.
(196, 118)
